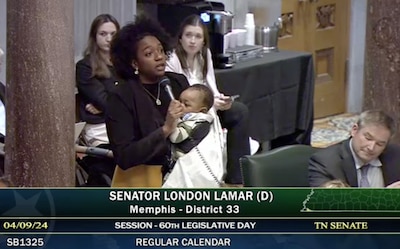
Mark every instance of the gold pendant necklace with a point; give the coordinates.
(158, 101)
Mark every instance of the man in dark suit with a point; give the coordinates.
(366, 159)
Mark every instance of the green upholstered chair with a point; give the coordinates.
(285, 166)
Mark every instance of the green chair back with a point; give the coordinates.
(285, 166)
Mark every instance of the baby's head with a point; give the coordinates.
(335, 184)
(197, 98)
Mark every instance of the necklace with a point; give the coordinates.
(158, 101)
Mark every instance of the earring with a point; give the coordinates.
(136, 71)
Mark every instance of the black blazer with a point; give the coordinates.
(336, 162)
(134, 123)
(93, 90)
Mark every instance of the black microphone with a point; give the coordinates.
(166, 83)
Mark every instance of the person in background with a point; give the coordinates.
(95, 79)
(192, 57)
(140, 113)
(366, 159)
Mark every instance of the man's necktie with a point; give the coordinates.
(364, 183)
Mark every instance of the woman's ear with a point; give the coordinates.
(134, 65)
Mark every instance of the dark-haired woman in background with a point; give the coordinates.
(140, 114)
(95, 78)
(192, 57)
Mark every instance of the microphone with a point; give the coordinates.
(166, 83)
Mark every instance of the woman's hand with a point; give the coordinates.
(175, 111)
(222, 102)
(93, 110)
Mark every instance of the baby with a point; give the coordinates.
(195, 124)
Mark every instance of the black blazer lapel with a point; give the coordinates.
(348, 164)
(150, 118)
